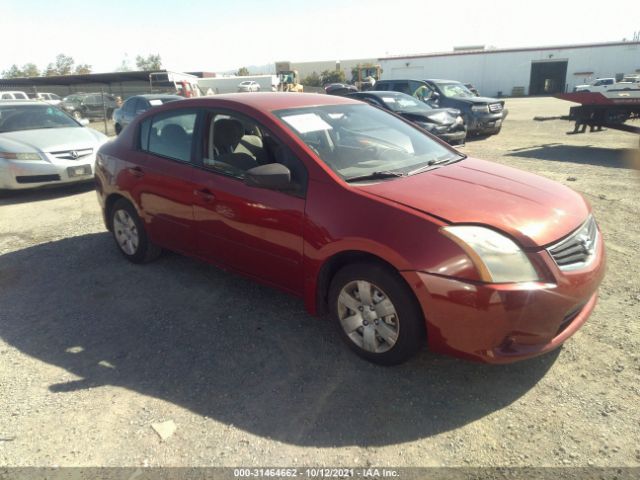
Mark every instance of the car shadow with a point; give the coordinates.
(231, 349)
(14, 197)
(582, 154)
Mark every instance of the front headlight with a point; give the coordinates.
(426, 125)
(480, 108)
(440, 117)
(21, 156)
(459, 120)
(497, 258)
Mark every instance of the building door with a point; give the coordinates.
(548, 77)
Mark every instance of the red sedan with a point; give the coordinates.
(403, 239)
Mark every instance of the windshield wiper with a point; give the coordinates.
(376, 175)
(432, 163)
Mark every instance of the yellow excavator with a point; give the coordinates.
(367, 76)
(289, 78)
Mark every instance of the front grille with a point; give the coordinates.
(578, 249)
(495, 107)
(73, 154)
(37, 178)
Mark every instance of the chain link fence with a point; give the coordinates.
(90, 103)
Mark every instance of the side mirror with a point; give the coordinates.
(84, 122)
(273, 176)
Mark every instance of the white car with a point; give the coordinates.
(605, 85)
(51, 98)
(249, 86)
(13, 95)
(42, 145)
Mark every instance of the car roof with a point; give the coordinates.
(270, 101)
(154, 96)
(20, 101)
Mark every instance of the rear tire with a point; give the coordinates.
(118, 128)
(129, 234)
(376, 314)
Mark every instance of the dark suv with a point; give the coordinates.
(482, 115)
(89, 105)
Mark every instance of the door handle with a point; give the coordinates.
(136, 172)
(205, 194)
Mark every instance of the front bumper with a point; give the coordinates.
(485, 123)
(18, 175)
(503, 323)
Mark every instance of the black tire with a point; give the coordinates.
(144, 250)
(409, 318)
(118, 128)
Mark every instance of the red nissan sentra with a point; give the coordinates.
(403, 239)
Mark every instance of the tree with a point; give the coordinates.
(64, 64)
(83, 69)
(50, 71)
(30, 70)
(13, 72)
(151, 62)
(243, 72)
(332, 76)
(312, 80)
(124, 66)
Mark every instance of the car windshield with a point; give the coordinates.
(453, 89)
(361, 140)
(404, 103)
(32, 117)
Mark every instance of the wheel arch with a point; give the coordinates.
(111, 200)
(337, 261)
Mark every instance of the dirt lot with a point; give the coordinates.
(94, 350)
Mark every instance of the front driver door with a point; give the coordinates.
(252, 230)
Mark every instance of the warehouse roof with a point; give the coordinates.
(506, 50)
(99, 78)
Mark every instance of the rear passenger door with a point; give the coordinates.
(163, 177)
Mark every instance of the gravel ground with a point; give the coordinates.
(94, 350)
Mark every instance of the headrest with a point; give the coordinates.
(227, 132)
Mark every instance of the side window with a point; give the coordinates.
(402, 87)
(170, 135)
(236, 144)
(6, 96)
(141, 106)
(382, 86)
(128, 106)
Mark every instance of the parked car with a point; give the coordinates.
(608, 85)
(89, 105)
(13, 95)
(249, 86)
(598, 85)
(482, 115)
(42, 145)
(136, 105)
(51, 98)
(445, 123)
(403, 239)
(339, 89)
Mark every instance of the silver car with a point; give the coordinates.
(42, 145)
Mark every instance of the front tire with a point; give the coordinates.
(130, 235)
(376, 313)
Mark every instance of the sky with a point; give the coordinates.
(199, 35)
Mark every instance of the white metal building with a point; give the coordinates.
(528, 71)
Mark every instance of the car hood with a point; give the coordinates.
(476, 100)
(433, 115)
(532, 209)
(51, 139)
